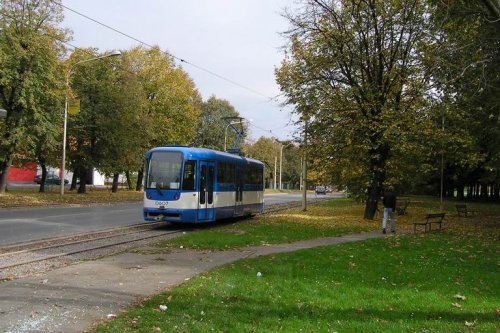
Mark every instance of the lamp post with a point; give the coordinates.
(281, 164)
(65, 124)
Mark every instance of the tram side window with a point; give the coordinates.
(253, 175)
(225, 173)
(221, 172)
(188, 180)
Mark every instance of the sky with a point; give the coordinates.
(237, 39)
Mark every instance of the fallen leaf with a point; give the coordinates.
(470, 323)
(456, 305)
(460, 297)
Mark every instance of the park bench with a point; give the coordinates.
(462, 210)
(401, 205)
(429, 220)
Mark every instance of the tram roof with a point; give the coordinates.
(203, 153)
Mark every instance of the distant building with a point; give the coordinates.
(24, 174)
(27, 173)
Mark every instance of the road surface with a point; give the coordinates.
(26, 224)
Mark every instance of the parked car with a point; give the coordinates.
(50, 179)
(320, 189)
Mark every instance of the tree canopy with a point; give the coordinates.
(29, 74)
(356, 71)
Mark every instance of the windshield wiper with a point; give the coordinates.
(158, 190)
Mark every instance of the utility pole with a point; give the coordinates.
(281, 164)
(441, 201)
(304, 171)
(275, 163)
(301, 167)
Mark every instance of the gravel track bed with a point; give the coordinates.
(87, 236)
(88, 252)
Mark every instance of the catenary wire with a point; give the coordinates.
(168, 53)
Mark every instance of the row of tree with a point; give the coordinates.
(398, 92)
(128, 104)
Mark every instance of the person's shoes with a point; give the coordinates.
(383, 231)
(393, 231)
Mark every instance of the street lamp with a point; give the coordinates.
(281, 164)
(65, 124)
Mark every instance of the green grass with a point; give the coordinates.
(436, 282)
(398, 284)
(333, 218)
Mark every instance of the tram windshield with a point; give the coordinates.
(164, 170)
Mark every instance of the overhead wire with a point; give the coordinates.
(168, 53)
(210, 72)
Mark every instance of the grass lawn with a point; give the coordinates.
(334, 218)
(31, 197)
(444, 281)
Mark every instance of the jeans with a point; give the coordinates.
(388, 213)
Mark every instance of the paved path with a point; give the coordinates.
(71, 299)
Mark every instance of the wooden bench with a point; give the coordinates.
(429, 220)
(402, 205)
(462, 210)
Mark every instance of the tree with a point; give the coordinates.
(268, 150)
(468, 80)
(355, 69)
(121, 151)
(265, 150)
(170, 105)
(212, 130)
(28, 73)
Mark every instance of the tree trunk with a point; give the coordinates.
(73, 181)
(140, 175)
(82, 189)
(4, 171)
(483, 194)
(496, 193)
(129, 181)
(377, 167)
(114, 187)
(43, 179)
(372, 201)
(460, 193)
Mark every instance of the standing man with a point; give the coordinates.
(389, 201)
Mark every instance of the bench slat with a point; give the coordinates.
(429, 219)
(462, 210)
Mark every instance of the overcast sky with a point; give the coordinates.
(236, 39)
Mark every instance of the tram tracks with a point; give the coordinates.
(19, 260)
(30, 258)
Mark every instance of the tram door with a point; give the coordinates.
(240, 181)
(206, 188)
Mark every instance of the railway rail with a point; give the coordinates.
(24, 259)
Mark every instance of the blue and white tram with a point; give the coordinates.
(194, 185)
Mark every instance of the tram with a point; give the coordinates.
(197, 185)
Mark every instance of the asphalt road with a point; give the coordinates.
(27, 224)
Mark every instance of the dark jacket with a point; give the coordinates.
(389, 200)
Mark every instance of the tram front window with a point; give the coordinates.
(164, 171)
